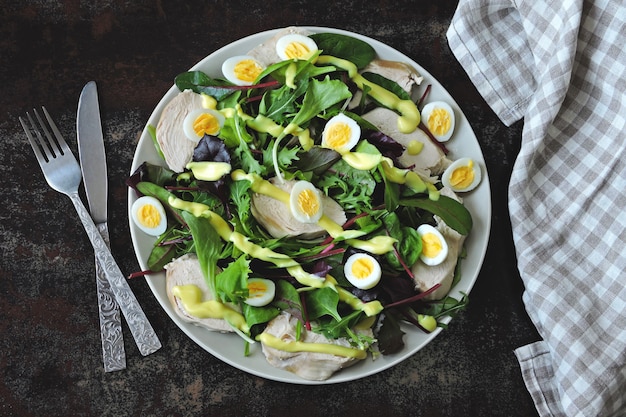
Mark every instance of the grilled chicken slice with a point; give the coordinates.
(402, 74)
(186, 271)
(427, 276)
(176, 148)
(276, 217)
(308, 365)
(430, 161)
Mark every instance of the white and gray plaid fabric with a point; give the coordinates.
(561, 66)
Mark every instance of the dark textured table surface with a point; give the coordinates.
(49, 334)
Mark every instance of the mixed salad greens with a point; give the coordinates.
(273, 130)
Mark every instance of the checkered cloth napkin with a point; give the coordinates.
(561, 66)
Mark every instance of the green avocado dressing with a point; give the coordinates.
(281, 260)
(264, 124)
(191, 297)
(297, 346)
(409, 117)
(377, 245)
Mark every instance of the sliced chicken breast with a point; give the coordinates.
(176, 148)
(308, 365)
(428, 162)
(277, 219)
(186, 271)
(428, 276)
(401, 73)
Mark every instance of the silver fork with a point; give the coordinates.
(63, 174)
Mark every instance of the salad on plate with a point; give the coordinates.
(304, 200)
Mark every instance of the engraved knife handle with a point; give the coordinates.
(141, 329)
(113, 354)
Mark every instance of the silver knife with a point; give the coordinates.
(93, 166)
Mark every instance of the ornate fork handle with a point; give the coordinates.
(113, 353)
(140, 327)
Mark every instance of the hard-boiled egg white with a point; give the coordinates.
(341, 133)
(261, 292)
(149, 215)
(462, 175)
(438, 117)
(434, 245)
(305, 202)
(200, 122)
(242, 69)
(295, 46)
(362, 270)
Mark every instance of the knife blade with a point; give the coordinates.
(93, 166)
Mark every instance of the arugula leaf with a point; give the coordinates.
(285, 155)
(351, 188)
(280, 103)
(240, 196)
(319, 96)
(452, 212)
(334, 329)
(232, 283)
(208, 245)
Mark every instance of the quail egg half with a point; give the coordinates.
(434, 245)
(149, 215)
(200, 122)
(261, 292)
(438, 117)
(295, 46)
(362, 270)
(305, 202)
(341, 133)
(242, 70)
(462, 175)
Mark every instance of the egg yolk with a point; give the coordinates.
(439, 121)
(308, 202)
(431, 245)
(463, 176)
(362, 268)
(338, 135)
(297, 50)
(256, 289)
(247, 70)
(149, 216)
(206, 124)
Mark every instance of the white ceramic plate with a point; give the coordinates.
(230, 348)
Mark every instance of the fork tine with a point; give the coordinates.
(60, 140)
(51, 141)
(43, 144)
(38, 147)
